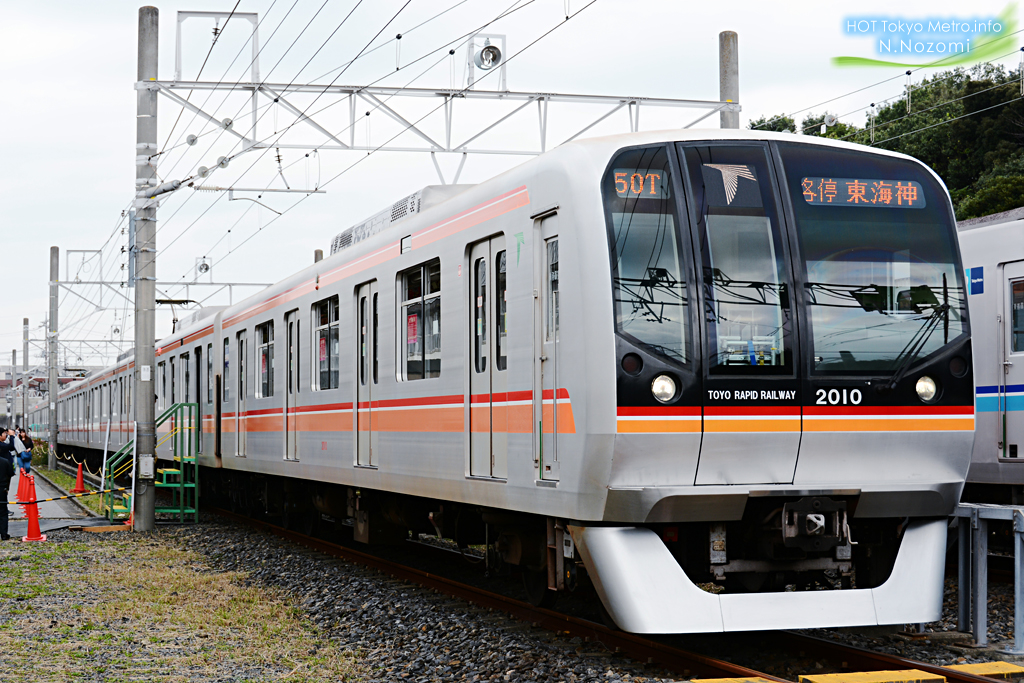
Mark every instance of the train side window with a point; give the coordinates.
(420, 305)
(225, 384)
(552, 324)
(265, 345)
(501, 307)
(480, 299)
(163, 384)
(198, 354)
(325, 341)
(243, 369)
(364, 349)
(375, 345)
(174, 377)
(1017, 316)
(186, 378)
(209, 373)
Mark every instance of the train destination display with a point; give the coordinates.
(896, 194)
(639, 183)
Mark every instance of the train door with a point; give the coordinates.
(547, 382)
(752, 414)
(1010, 399)
(291, 394)
(366, 375)
(240, 414)
(488, 383)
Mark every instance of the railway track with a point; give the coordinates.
(842, 657)
(635, 647)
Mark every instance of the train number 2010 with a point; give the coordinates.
(837, 397)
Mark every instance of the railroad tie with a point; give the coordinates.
(905, 676)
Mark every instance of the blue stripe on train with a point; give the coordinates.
(1009, 388)
(990, 404)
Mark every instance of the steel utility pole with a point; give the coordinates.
(144, 498)
(729, 76)
(53, 381)
(24, 372)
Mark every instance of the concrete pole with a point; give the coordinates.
(24, 372)
(144, 500)
(53, 380)
(729, 76)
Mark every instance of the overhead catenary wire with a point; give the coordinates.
(924, 85)
(216, 36)
(361, 159)
(932, 108)
(266, 149)
(255, 123)
(516, 6)
(367, 53)
(238, 82)
(265, 44)
(942, 123)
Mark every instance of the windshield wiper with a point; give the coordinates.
(916, 344)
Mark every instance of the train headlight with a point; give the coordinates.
(664, 388)
(926, 389)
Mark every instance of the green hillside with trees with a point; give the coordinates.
(967, 124)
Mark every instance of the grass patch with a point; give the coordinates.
(67, 482)
(126, 606)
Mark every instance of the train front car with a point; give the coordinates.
(794, 398)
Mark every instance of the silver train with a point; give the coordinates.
(726, 376)
(994, 263)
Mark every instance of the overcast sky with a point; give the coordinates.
(67, 71)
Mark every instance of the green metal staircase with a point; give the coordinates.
(181, 481)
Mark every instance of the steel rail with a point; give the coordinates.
(636, 647)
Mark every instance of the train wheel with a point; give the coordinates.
(535, 583)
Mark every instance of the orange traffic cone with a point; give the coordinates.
(79, 482)
(22, 487)
(32, 512)
(131, 519)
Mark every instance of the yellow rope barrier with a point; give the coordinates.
(74, 495)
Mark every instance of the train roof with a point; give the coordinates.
(433, 199)
(1010, 216)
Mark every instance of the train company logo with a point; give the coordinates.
(976, 280)
(944, 41)
(731, 174)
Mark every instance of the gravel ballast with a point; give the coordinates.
(400, 631)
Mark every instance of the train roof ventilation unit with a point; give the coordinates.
(429, 196)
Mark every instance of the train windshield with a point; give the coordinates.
(882, 273)
(648, 280)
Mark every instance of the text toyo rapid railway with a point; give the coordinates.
(667, 360)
